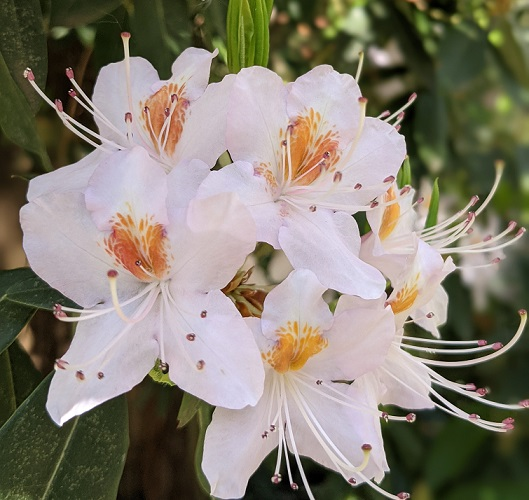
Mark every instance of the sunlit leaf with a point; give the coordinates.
(84, 457)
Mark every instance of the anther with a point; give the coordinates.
(112, 273)
(284, 143)
(294, 486)
(337, 177)
(482, 342)
(496, 260)
(79, 375)
(405, 190)
(128, 117)
(357, 186)
(164, 367)
(470, 230)
(362, 100)
(174, 97)
(403, 495)
(389, 178)
(100, 375)
(58, 312)
(312, 208)
(474, 200)
(28, 74)
(497, 346)
(264, 435)
(351, 480)
(524, 403)
(276, 478)
(397, 127)
(327, 155)
(374, 204)
(167, 112)
(146, 110)
(430, 315)
(191, 337)
(72, 93)
(508, 421)
(200, 364)
(203, 314)
(59, 106)
(367, 447)
(482, 391)
(474, 416)
(411, 417)
(520, 231)
(412, 97)
(385, 416)
(61, 364)
(319, 382)
(420, 200)
(272, 428)
(125, 34)
(69, 73)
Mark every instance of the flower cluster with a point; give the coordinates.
(150, 241)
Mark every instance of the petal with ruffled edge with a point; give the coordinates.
(297, 300)
(61, 242)
(127, 182)
(234, 447)
(257, 118)
(328, 243)
(254, 191)
(358, 341)
(209, 249)
(210, 350)
(107, 357)
(72, 177)
(334, 96)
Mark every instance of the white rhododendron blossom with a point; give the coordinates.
(306, 157)
(303, 411)
(175, 120)
(148, 267)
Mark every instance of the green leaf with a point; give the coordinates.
(7, 388)
(404, 175)
(13, 317)
(84, 457)
(72, 13)
(23, 44)
(30, 290)
(16, 118)
(433, 209)
(188, 409)
(205, 414)
(159, 376)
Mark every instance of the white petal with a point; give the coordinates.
(72, 177)
(218, 236)
(61, 243)
(331, 94)
(254, 192)
(297, 299)
(234, 447)
(222, 365)
(127, 182)
(328, 244)
(122, 365)
(256, 117)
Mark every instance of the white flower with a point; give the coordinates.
(148, 263)
(302, 410)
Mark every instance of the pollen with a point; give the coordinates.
(295, 346)
(138, 246)
(313, 148)
(406, 296)
(391, 215)
(164, 117)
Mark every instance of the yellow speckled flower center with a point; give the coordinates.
(391, 215)
(406, 296)
(294, 346)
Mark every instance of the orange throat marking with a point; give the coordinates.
(313, 149)
(406, 296)
(294, 347)
(158, 103)
(391, 215)
(138, 246)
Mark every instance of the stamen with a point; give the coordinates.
(411, 100)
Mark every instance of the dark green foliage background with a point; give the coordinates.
(469, 63)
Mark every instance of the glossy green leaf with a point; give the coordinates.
(205, 414)
(72, 13)
(433, 209)
(16, 118)
(84, 457)
(23, 44)
(30, 290)
(13, 317)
